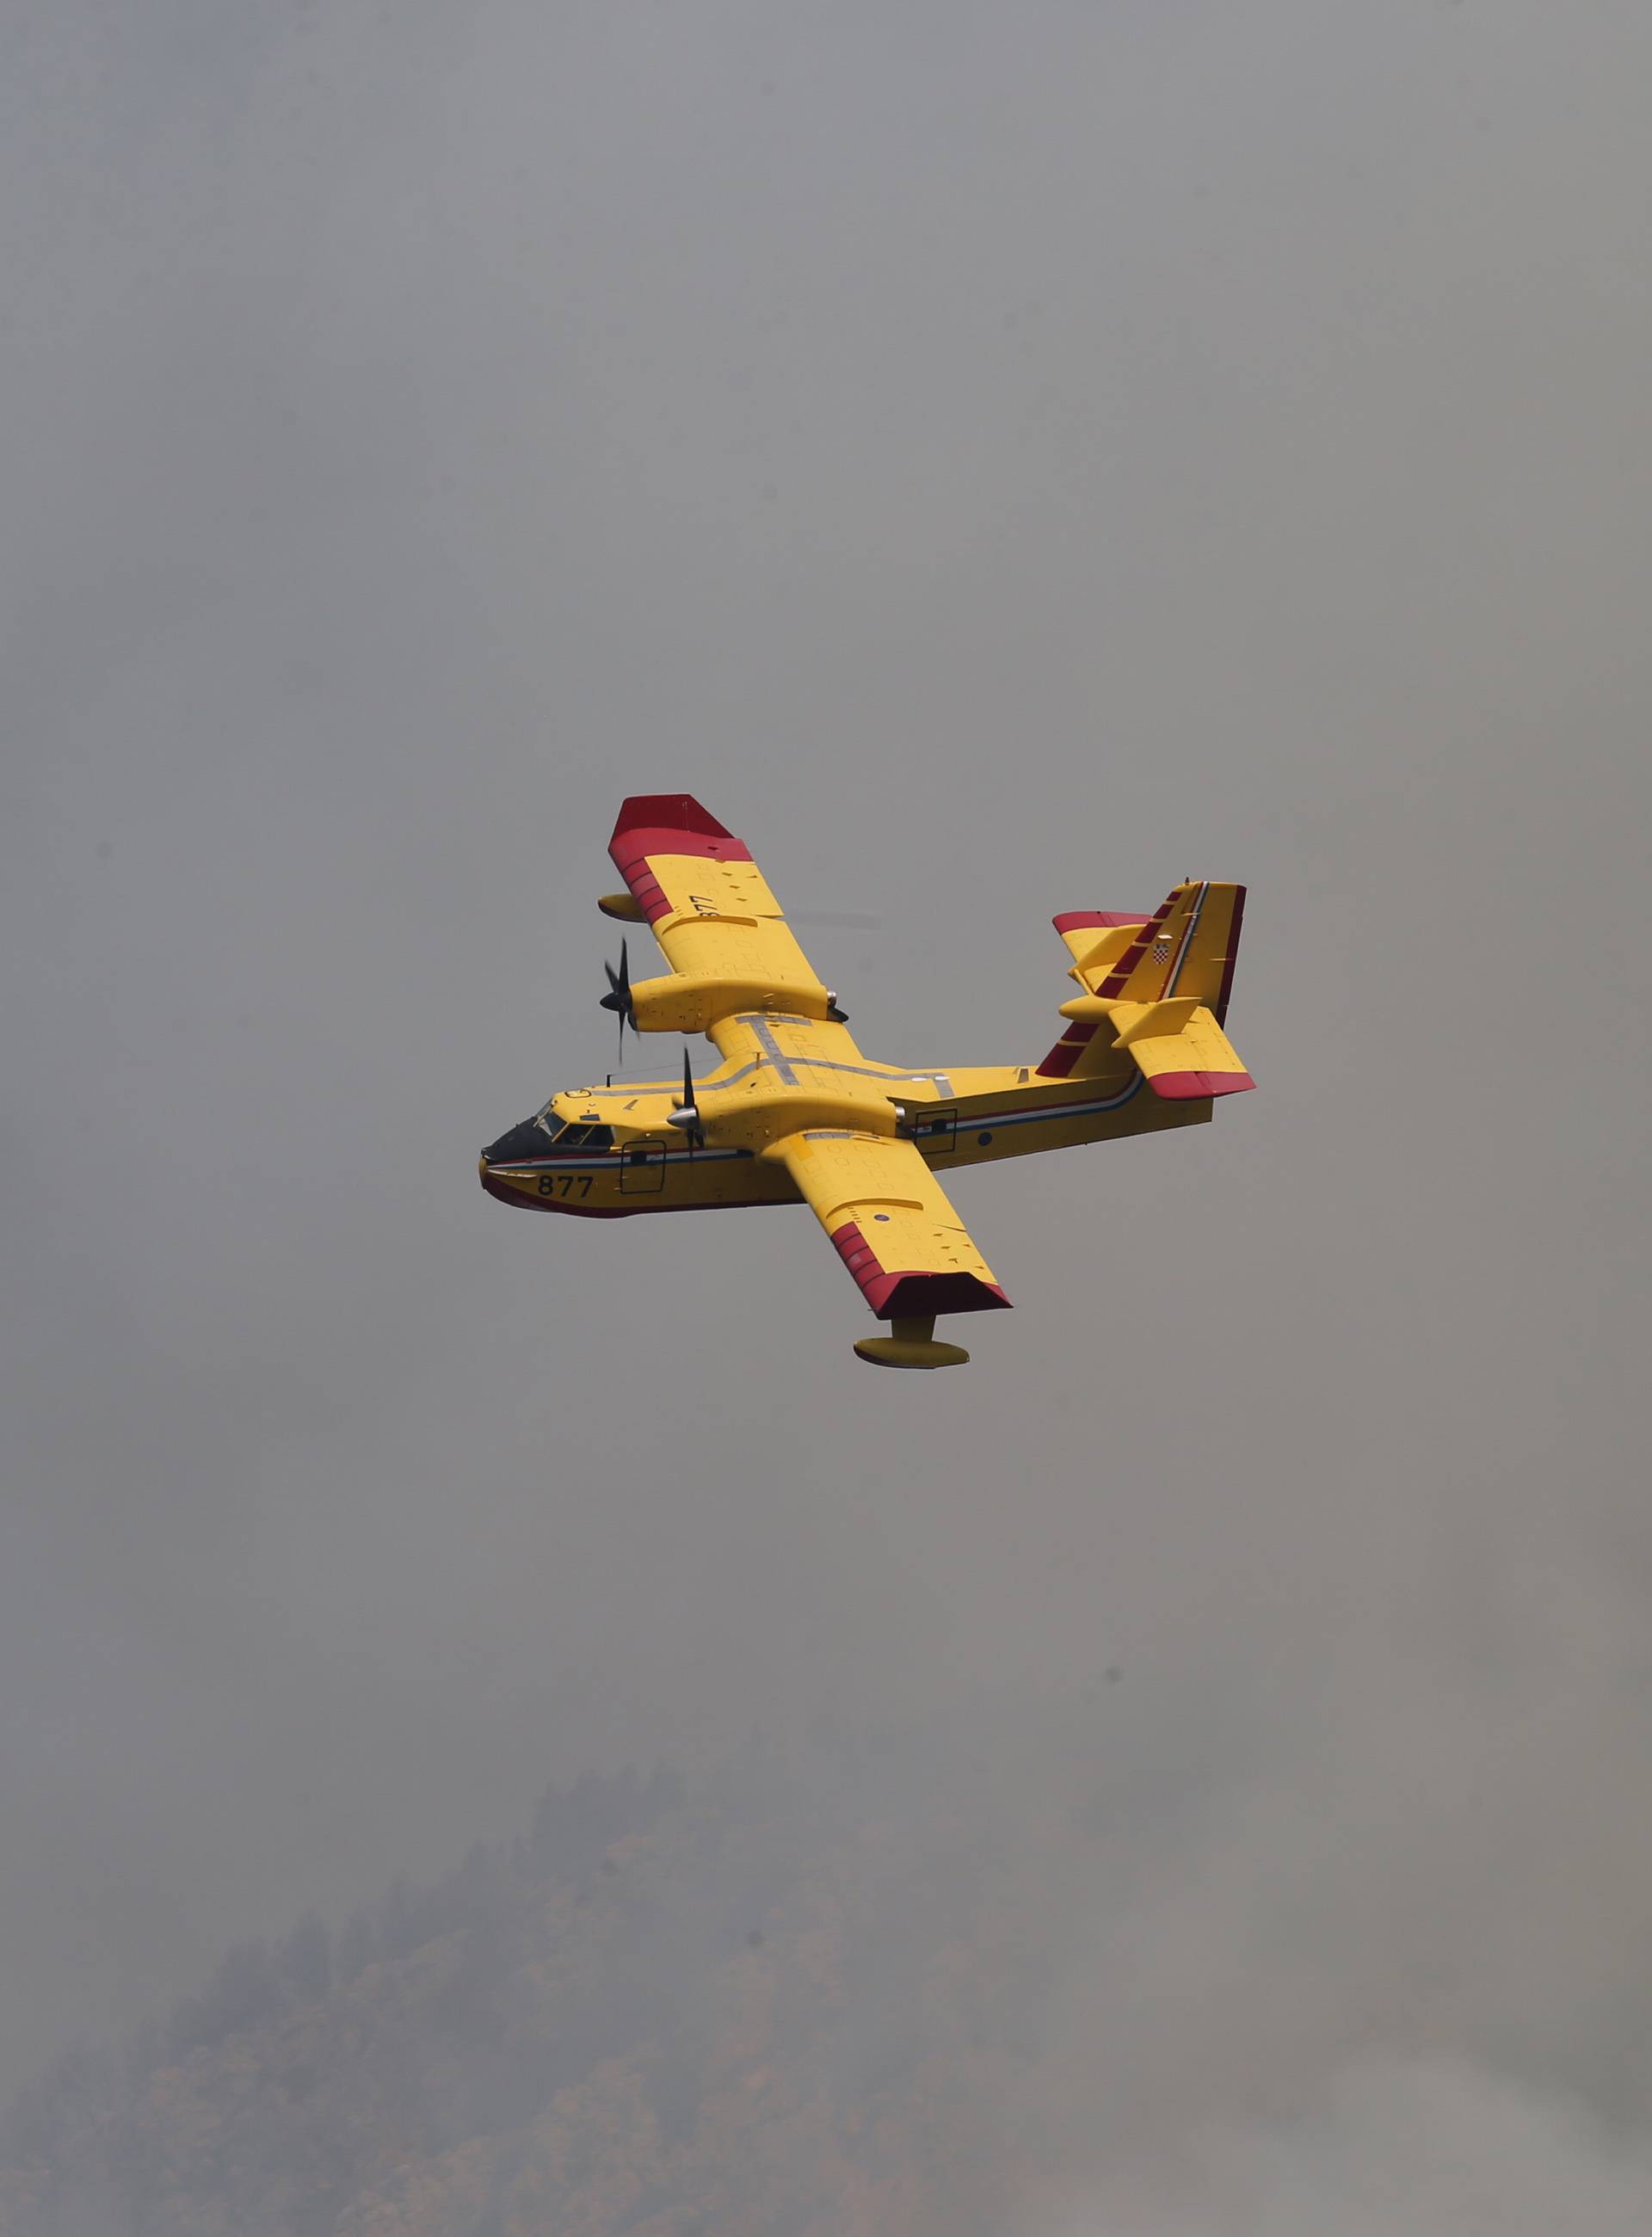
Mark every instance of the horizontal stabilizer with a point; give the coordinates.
(1180, 1048)
(1095, 939)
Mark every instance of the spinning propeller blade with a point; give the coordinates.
(687, 1113)
(618, 996)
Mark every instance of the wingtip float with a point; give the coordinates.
(795, 1113)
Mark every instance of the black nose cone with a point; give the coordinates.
(527, 1140)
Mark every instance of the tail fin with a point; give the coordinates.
(1186, 946)
(1162, 983)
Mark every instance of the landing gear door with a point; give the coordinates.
(935, 1131)
(642, 1170)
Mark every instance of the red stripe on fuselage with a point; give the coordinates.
(508, 1195)
(649, 1203)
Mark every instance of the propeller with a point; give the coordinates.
(687, 1114)
(618, 996)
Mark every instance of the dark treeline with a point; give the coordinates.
(772, 1997)
(81, 2101)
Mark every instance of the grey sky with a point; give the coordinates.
(1002, 461)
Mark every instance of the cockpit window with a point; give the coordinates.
(586, 1137)
(549, 1125)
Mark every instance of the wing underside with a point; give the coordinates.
(891, 1223)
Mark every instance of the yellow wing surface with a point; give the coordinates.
(891, 1223)
(712, 913)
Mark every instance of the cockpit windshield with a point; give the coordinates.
(572, 1133)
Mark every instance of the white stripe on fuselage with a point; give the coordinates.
(613, 1160)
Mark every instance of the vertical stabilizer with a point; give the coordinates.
(1157, 986)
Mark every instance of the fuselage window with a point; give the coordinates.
(586, 1137)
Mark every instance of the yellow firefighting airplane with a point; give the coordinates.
(794, 1110)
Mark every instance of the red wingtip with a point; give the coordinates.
(1096, 920)
(903, 1296)
(895, 1295)
(1185, 1086)
(666, 823)
(668, 811)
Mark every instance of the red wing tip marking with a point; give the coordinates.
(897, 1296)
(894, 1296)
(1182, 1087)
(856, 1254)
(646, 888)
(669, 823)
(1096, 920)
(668, 811)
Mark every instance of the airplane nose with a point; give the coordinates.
(526, 1140)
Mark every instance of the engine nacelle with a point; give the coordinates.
(694, 1006)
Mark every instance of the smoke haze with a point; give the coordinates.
(1002, 461)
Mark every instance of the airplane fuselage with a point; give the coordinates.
(610, 1152)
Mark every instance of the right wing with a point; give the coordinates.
(892, 1224)
(710, 904)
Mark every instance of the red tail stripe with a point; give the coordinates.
(1058, 1063)
(1115, 983)
(1233, 931)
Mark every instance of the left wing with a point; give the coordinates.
(892, 1224)
(710, 904)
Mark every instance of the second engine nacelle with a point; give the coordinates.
(694, 1006)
